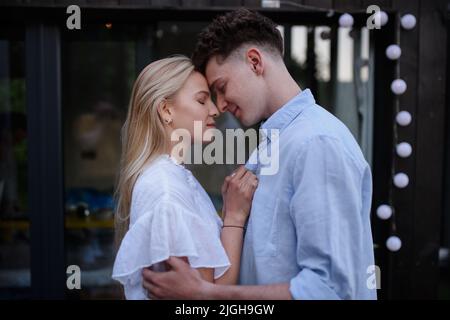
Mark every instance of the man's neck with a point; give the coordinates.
(284, 88)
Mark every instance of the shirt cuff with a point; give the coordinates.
(308, 285)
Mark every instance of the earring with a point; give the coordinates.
(168, 121)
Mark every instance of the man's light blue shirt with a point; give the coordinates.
(310, 222)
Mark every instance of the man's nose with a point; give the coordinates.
(221, 104)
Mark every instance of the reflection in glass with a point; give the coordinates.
(98, 72)
(14, 218)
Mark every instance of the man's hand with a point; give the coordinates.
(181, 282)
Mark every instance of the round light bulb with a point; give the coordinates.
(393, 52)
(383, 18)
(408, 21)
(393, 243)
(401, 180)
(384, 212)
(346, 20)
(398, 86)
(404, 149)
(404, 118)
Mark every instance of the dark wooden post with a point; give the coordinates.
(45, 173)
(427, 206)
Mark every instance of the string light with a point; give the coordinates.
(384, 212)
(383, 18)
(398, 86)
(404, 118)
(346, 20)
(408, 21)
(401, 180)
(394, 243)
(393, 52)
(404, 149)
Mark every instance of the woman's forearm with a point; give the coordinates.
(232, 238)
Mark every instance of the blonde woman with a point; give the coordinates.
(162, 210)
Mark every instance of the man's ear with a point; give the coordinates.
(255, 61)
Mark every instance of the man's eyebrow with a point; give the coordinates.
(212, 86)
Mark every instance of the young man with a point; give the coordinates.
(309, 234)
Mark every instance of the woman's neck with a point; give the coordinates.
(178, 150)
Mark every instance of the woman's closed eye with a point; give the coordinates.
(202, 98)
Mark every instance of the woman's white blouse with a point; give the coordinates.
(171, 215)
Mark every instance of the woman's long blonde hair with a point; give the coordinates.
(143, 134)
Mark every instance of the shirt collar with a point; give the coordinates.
(279, 120)
(284, 116)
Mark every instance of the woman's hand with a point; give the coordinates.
(237, 193)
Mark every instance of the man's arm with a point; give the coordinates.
(261, 292)
(331, 225)
(184, 282)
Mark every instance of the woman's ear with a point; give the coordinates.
(165, 112)
(254, 59)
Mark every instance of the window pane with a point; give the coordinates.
(98, 72)
(14, 217)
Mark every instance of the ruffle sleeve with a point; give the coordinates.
(167, 230)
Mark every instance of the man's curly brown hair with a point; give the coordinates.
(229, 31)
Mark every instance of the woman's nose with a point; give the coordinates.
(213, 111)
